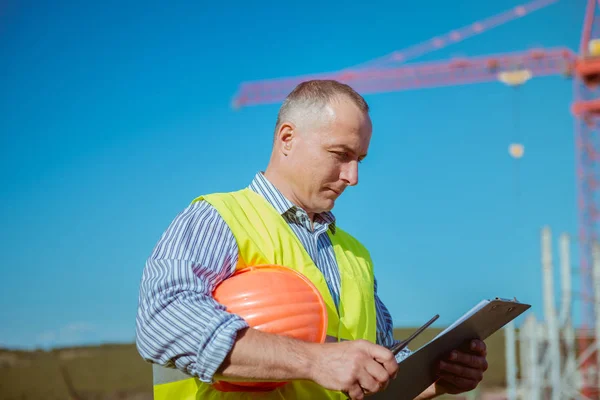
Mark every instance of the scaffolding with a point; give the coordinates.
(551, 359)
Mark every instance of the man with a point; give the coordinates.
(322, 133)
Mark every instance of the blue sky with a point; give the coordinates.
(116, 116)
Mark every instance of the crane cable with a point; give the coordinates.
(516, 79)
(517, 140)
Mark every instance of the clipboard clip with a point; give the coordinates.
(398, 347)
(514, 300)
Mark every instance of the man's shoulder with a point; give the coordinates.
(216, 207)
(198, 211)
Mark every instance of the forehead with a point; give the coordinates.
(348, 125)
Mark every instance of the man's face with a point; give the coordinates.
(324, 156)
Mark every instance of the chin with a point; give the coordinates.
(327, 205)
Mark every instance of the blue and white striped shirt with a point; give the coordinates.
(179, 324)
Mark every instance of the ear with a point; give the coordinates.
(285, 137)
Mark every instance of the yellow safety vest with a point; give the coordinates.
(264, 237)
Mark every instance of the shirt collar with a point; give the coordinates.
(261, 185)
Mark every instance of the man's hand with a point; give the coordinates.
(462, 370)
(358, 368)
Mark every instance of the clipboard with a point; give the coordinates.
(416, 372)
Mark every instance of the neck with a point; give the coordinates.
(285, 186)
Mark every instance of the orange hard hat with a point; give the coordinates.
(274, 299)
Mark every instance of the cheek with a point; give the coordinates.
(313, 163)
(318, 168)
(329, 170)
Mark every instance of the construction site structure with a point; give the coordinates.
(391, 73)
(544, 358)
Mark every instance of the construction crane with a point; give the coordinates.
(390, 73)
(374, 76)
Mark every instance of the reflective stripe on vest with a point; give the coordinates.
(264, 237)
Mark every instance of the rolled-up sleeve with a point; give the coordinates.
(178, 322)
(385, 328)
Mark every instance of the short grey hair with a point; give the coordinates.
(316, 95)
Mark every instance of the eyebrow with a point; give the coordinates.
(344, 147)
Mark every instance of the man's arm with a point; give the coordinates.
(179, 324)
(355, 367)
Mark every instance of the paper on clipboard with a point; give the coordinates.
(465, 316)
(416, 372)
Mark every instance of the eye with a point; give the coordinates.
(346, 156)
(341, 154)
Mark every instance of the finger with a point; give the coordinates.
(356, 393)
(389, 363)
(469, 360)
(458, 382)
(474, 346)
(478, 346)
(461, 371)
(390, 367)
(384, 357)
(380, 353)
(369, 383)
(378, 372)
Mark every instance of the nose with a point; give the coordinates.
(350, 173)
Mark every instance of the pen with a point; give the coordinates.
(401, 345)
